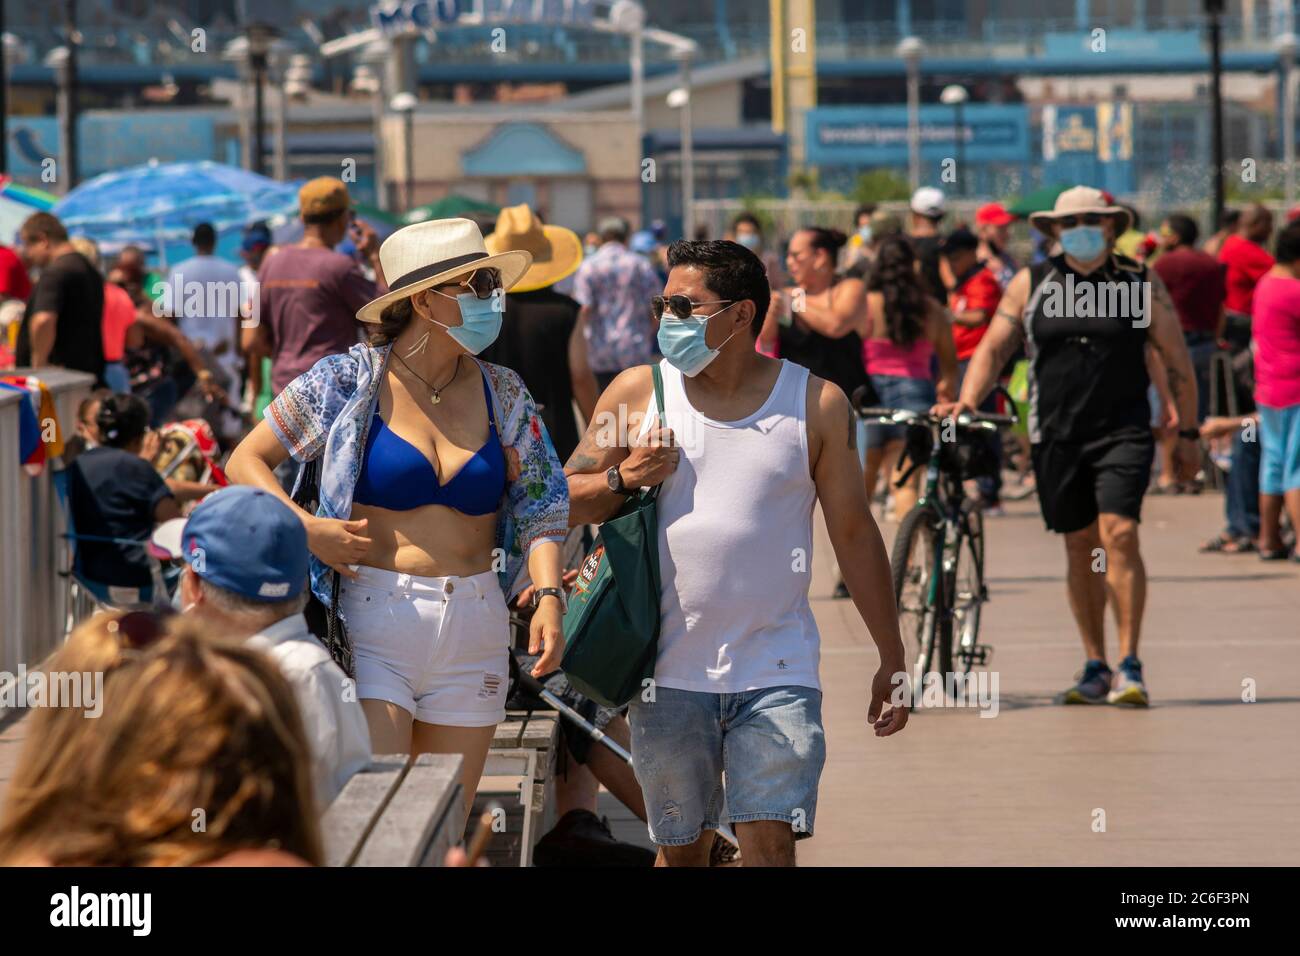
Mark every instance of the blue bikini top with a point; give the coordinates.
(397, 476)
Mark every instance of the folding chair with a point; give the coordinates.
(85, 595)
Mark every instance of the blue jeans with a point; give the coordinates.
(1241, 496)
(897, 391)
(768, 743)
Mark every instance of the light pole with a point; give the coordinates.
(368, 78)
(910, 50)
(956, 97)
(1286, 48)
(628, 17)
(260, 37)
(1214, 10)
(59, 60)
(680, 98)
(405, 103)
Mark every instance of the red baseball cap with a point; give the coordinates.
(993, 214)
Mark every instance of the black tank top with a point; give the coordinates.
(1086, 338)
(836, 360)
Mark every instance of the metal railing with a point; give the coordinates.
(550, 44)
(33, 594)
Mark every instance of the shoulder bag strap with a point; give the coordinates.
(657, 375)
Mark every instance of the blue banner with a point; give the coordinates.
(877, 135)
(108, 142)
(1122, 44)
(1092, 145)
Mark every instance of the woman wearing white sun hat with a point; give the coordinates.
(438, 484)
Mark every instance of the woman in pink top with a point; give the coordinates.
(1276, 335)
(902, 328)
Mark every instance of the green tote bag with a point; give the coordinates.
(611, 628)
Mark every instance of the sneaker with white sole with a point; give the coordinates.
(1129, 688)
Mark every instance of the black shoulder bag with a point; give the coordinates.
(323, 621)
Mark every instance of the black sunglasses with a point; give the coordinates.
(679, 305)
(1087, 219)
(139, 629)
(482, 282)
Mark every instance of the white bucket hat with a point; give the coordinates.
(426, 254)
(1079, 201)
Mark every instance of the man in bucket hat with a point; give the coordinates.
(1086, 317)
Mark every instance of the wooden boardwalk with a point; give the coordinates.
(1199, 779)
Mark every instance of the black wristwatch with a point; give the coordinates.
(1191, 434)
(555, 592)
(614, 478)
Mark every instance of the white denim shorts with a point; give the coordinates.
(437, 647)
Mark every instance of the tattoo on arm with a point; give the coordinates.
(583, 460)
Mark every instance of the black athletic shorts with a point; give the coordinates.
(1079, 480)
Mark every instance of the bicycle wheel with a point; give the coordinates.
(968, 594)
(918, 591)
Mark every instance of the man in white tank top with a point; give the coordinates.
(749, 444)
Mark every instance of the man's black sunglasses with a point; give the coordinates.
(680, 306)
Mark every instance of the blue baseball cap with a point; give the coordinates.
(256, 235)
(643, 241)
(247, 541)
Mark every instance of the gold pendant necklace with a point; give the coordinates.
(434, 390)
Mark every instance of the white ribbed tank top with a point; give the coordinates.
(735, 545)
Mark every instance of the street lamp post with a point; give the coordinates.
(910, 49)
(296, 84)
(956, 97)
(369, 79)
(1214, 10)
(680, 98)
(260, 37)
(628, 17)
(405, 103)
(1286, 50)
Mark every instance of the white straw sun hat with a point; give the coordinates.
(1079, 201)
(426, 254)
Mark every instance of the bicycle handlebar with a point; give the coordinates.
(905, 416)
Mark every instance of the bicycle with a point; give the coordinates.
(937, 561)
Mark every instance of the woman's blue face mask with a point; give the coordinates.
(480, 321)
(1084, 243)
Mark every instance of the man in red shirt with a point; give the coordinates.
(1196, 283)
(14, 281)
(972, 299)
(15, 287)
(1244, 257)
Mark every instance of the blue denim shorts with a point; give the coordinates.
(895, 391)
(768, 743)
(1279, 446)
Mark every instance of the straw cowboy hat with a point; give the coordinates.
(556, 251)
(427, 254)
(1079, 201)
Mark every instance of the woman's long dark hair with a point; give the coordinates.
(894, 276)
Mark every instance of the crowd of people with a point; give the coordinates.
(418, 437)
